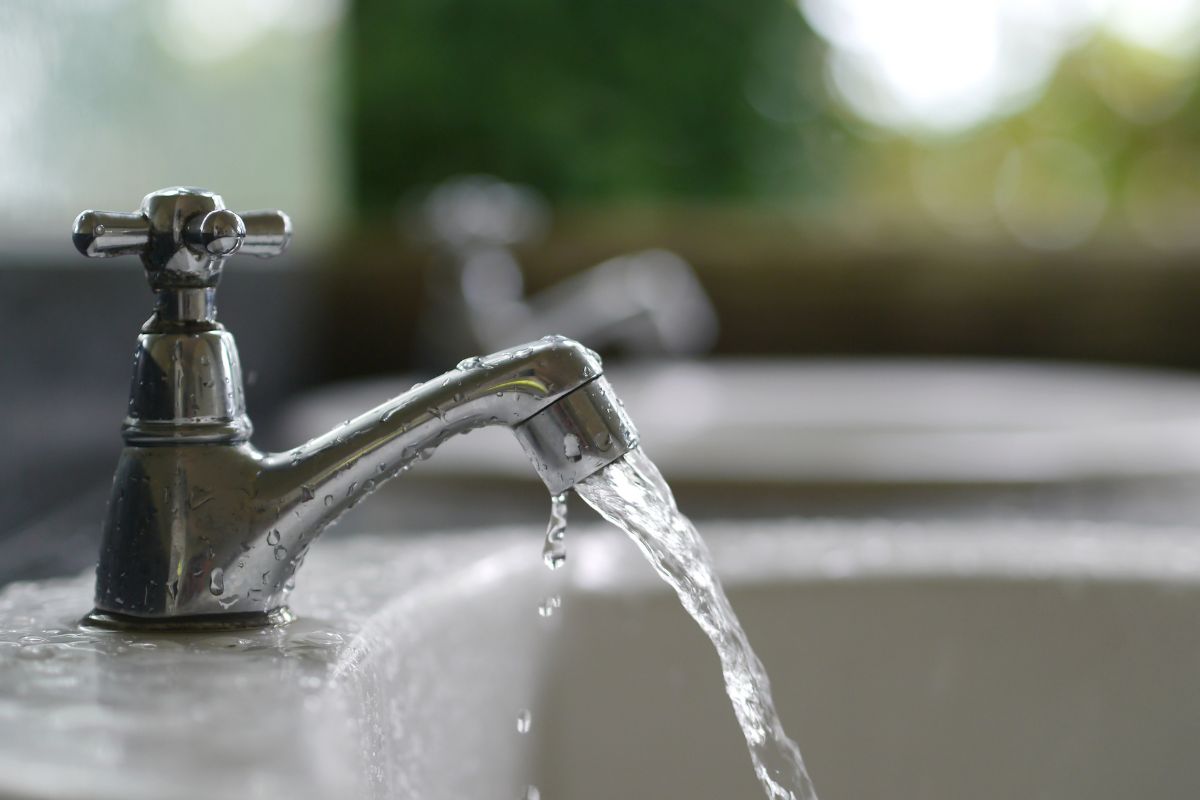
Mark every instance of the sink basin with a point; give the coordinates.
(981, 659)
(999, 665)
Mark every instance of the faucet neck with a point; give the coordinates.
(187, 386)
(184, 306)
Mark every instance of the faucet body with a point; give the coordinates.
(204, 529)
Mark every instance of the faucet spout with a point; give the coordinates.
(218, 532)
(552, 393)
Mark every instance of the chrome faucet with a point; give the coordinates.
(203, 529)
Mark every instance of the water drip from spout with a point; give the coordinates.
(554, 552)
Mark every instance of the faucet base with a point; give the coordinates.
(109, 620)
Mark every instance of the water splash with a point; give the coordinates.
(631, 494)
(554, 553)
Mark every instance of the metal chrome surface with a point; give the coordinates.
(183, 236)
(585, 431)
(202, 524)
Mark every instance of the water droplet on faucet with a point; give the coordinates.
(474, 362)
(216, 581)
(571, 447)
(273, 537)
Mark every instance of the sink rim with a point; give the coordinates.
(846, 551)
(800, 551)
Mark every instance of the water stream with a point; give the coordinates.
(632, 495)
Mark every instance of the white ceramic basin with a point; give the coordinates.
(960, 660)
(838, 421)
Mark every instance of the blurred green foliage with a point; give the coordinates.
(1122, 124)
(590, 101)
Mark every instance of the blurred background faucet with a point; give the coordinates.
(646, 302)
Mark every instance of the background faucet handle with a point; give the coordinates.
(104, 234)
(267, 233)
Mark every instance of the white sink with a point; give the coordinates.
(954, 660)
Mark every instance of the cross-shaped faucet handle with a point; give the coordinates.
(183, 236)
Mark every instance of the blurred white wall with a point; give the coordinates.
(106, 100)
